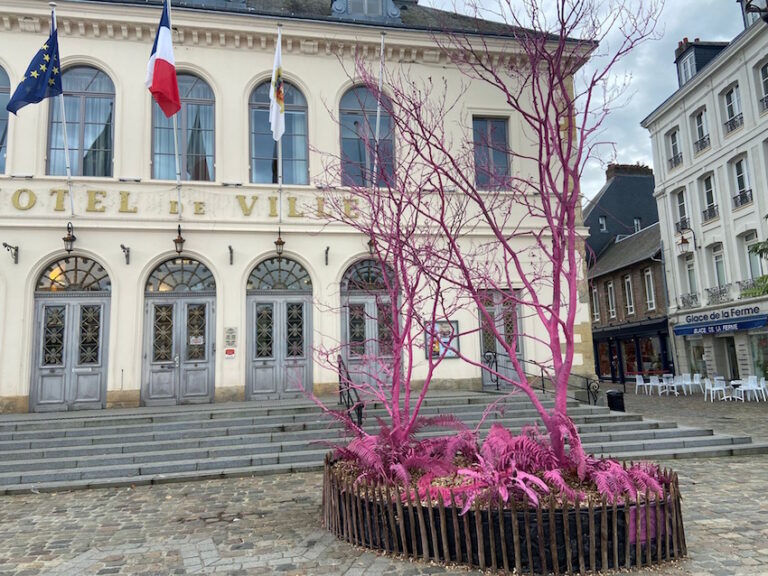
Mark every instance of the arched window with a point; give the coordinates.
(196, 134)
(357, 112)
(365, 276)
(280, 274)
(5, 95)
(89, 99)
(74, 274)
(264, 148)
(181, 275)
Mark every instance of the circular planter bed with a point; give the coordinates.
(535, 539)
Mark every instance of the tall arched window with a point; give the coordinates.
(196, 134)
(264, 148)
(5, 95)
(357, 112)
(89, 99)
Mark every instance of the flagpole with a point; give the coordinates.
(176, 138)
(64, 125)
(378, 115)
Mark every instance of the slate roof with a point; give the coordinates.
(629, 185)
(629, 250)
(414, 16)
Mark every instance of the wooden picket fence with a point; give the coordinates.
(535, 539)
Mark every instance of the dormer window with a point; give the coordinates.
(380, 11)
(687, 68)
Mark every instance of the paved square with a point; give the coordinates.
(271, 525)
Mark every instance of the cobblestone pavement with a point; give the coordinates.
(270, 525)
(729, 417)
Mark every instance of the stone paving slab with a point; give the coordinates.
(271, 525)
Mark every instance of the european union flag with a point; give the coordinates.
(42, 79)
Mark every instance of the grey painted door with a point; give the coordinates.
(507, 323)
(179, 351)
(70, 367)
(279, 346)
(368, 338)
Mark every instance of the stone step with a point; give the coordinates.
(115, 454)
(210, 474)
(37, 441)
(132, 429)
(96, 418)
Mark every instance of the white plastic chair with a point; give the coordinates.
(686, 383)
(667, 380)
(749, 386)
(697, 382)
(762, 389)
(675, 383)
(708, 389)
(719, 387)
(639, 382)
(654, 383)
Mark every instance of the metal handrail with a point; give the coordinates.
(590, 385)
(346, 391)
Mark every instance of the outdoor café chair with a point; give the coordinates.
(697, 382)
(719, 387)
(762, 389)
(654, 382)
(749, 386)
(640, 382)
(686, 383)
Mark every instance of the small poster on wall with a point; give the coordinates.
(444, 339)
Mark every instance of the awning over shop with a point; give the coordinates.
(722, 326)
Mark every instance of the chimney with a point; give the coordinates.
(627, 170)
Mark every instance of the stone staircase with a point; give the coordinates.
(148, 445)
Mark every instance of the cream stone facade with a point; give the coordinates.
(229, 224)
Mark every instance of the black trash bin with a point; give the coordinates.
(615, 400)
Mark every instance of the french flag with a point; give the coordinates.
(161, 68)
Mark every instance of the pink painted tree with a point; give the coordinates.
(504, 220)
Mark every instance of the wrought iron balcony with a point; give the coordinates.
(701, 144)
(676, 160)
(683, 224)
(719, 294)
(743, 198)
(745, 285)
(710, 213)
(689, 300)
(734, 123)
(763, 103)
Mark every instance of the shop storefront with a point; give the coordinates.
(730, 342)
(641, 348)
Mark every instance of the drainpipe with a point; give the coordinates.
(670, 333)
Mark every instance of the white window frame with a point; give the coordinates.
(690, 270)
(732, 98)
(650, 291)
(709, 191)
(682, 210)
(611, 299)
(741, 172)
(763, 73)
(749, 240)
(637, 223)
(674, 142)
(602, 222)
(700, 124)
(629, 295)
(687, 68)
(718, 266)
(595, 305)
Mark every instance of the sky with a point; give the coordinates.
(653, 76)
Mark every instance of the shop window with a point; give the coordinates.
(360, 155)
(696, 357)
(196, 134)
(629, 357)
(264, 148)
(491, 152)
(604, 359)
(760, 354)
(650, 355)
(89, 98)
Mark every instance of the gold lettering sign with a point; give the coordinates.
(292, 208)
(273, 206)
(174, 207)
(321, 206)
(199, 208)
(60, 194)
(246, 209)
(124, 208)
(94, 201)
(23, 199)
(350, 208)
